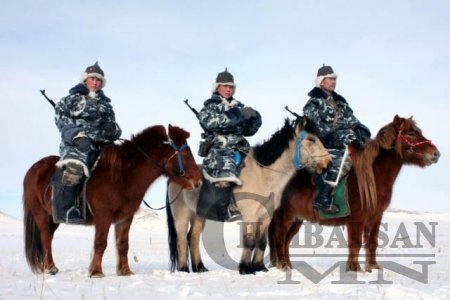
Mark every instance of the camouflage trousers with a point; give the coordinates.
(219, 166)
(340, 166)
(70, 153)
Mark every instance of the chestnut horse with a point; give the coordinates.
(114, 191)
(369, 186)
(267, 169)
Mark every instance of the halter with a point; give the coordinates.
(413, 145)
(297, 158)
(178, 154)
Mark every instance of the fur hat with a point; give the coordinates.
(93, 71)
(324, 72)
(223, 78)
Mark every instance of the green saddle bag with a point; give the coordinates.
(340, 198)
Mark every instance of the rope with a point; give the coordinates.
(170, 202)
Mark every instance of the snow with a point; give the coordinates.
(148, 258)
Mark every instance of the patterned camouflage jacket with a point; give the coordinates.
(222, 120)
(338, 127)
(79, 114)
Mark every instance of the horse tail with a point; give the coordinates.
(173, 249)
(363, 165)
(34, 251)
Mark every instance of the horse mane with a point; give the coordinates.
(363, 161)
(270, 150)
(363, 167)
(113, 156)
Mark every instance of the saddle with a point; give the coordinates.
(339, 196)
(68, 202)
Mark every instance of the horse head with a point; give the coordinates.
(181, 166)
(309, 150)
(406, 138)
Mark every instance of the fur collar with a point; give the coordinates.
(319, 93)
(82, 90)
(217, 99)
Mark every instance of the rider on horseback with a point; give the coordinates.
(86, 121)
(226, 121)
(338, 128)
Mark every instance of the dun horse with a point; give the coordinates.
(267, 169)
(114, 192)
(369, 187)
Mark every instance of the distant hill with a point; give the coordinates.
(7, 218)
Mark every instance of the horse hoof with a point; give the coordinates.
(260, 268)
(200, 268)
(246, 269)
(52, 271)
(125, 273)
(183, 269)
(371, 267)
(97, 275)
(355, 267)
(283, 266)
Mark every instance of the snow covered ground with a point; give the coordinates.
(418, 268)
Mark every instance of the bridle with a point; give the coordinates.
(297, 153)
(177, 153)
(413, 145)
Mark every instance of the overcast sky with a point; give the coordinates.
(392, 57)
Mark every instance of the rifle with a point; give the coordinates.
(48, 99)
(191, 108)
(294, 113)
(205, 145)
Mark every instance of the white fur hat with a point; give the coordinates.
(93, 71)
(324, 72)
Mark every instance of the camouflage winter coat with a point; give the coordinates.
(226, 122)
(93, 117)
(338, 127)
(83, 115)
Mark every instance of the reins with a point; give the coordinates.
(180, 164)
(163, 207)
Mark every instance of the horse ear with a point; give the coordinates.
(398, 121)
(178, 133)
(304, 122)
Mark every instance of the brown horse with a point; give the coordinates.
(114, 192)
(369, 187)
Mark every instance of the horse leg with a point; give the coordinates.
(122, 230)
(197, 225)
(355, 232)
(293, 230)
(181, 227)
(46, 229)
(260, 246)
(100, 243)
(371, 243)
(249, 240)
(282, 224)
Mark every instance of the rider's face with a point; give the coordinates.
(328, 84)
(226, 91)
(93, 84)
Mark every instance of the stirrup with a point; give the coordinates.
(329, 208)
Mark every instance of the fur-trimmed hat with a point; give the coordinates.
(324, 72)
(223, 78)
(93, 71)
